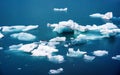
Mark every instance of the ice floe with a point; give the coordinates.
(107, 15)
(100, 52)
(43, 50)
(53, 71)
(23, 36)
(18, 28)
(117, 57)
(61, 9)
(56, 58)
(73, 53)
(88, 57)
(25, 48)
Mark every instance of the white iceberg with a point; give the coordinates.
(58, 39)
(107, 15)
(56, 58)
(117, 57)
(100, 52)
(88, 57)
(58, 71)
(25, 48)
(43, 50)
(61, 9)
(72, 53)
(18, 28)
(1, 35)
(23, 36)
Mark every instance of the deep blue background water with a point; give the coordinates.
(25, 12)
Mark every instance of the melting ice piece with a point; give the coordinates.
(25, 48)
(117, 57)
(56, 58)
(72, 53)
(23, 36)
(58, 71)
(18, 28)
(61, 9)
(88, 58)
(58, 39)
(107, 15)
(1, 35)
(100, 52)
(44, 50)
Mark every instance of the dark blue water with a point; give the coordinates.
(26, 12)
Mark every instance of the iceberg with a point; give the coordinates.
(58, 71)
(107, 15)
(117, 57)
(57, 39)
(56, 58)
(88, 57)
(61, 9)
(23, 36)
(100, 53)
(72, 53)
(18, 28)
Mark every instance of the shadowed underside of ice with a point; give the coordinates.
(23, 36)
(117, 57)
(100, 52)
(58, 71)
(18, 28)
(107, 15)
(61, 9)
(72, 53)
(88, 58)
(1, 35)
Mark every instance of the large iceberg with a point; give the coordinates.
(58, 71)
(61, 9)
(107, 15)
(72, 53)
(117, 57)
(18, 28)
(23, 36)
(100, 53)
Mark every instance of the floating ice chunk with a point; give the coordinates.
(1, 48)
(25, 48)
(88, 58)
(43, 50)
(107, 15)
(66, 45)
(61, 9)
(58, 39)
(1, 35)
(72, 53)
(18, 28)
(64, 26)
(56, 58)
(117, 57)
(100, 52)
(23, 36)
(58, 71)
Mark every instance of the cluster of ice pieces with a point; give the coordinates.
(41, 48)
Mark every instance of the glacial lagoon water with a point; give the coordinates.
(40, 12)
